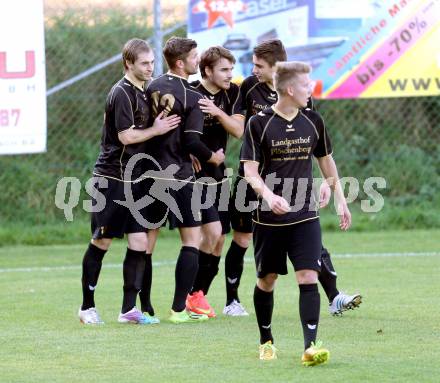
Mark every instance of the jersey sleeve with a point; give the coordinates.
(236, 103)
(251, 149)
(245, 86)
(193, 114)
(195, 146)
(123, 107)
(324, 146)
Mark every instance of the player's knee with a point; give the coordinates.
(138, 241)
(242, 239)
(307, 277)
(102, 243)
(152, 238)
(219, 245)
(190, 236)
(267, 283)
(210, 239)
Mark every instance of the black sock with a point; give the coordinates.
(133, 271)
(309, 305)
(145, 293)
(91, 267)
(212, 272)
(202, 272)
(263, 302)
(186, 270)
(327, 276)
(233, 271)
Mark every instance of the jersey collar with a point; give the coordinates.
(270, 87)
(133, 84)
(176, 75)
(206, 85)
(285, 116)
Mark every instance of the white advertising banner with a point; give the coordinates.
(23, 118)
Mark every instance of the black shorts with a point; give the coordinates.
(186, 211)
(300, 242)
(242, 203)
(156, 211)
(216, 196)
(114, 220)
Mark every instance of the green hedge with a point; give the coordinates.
(398, 139)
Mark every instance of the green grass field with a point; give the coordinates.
(393, 336)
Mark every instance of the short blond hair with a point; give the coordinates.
(286, 72)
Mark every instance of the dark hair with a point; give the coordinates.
(132, 49)
(271, 51)
(211, 56)
(177, 48)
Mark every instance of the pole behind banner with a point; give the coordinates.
(158, 36)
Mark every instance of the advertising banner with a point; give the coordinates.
(357, 49)
(22, 77)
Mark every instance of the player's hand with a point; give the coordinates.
(324, 194)
(217, 157)
(197, 166)
(207, 106)
(163, 125)
(344, 216)
(278, 204)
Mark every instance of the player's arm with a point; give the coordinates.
(193, 131)
(250, 155)
(199, 149)
(234, 124)
(160, 126)
(330, 172)
(327, 166)
(324, 191)
(125, 122)
(276, 203)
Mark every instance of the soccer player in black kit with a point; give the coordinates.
(278, 149)
(124, 133)
(172, 94)
(258, 93)
(222, 117)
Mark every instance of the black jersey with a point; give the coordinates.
(126, 107)
(173, 95)
(215, 136)
(284, 148)
(255, 97)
